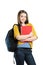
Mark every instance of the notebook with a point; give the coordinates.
(26, 30)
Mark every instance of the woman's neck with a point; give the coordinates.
(23, 24)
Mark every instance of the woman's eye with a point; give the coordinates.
(21, 16)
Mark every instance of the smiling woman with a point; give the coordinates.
(22, 17)
(24, 45)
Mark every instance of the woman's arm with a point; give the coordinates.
(30, 38)
(23, 37)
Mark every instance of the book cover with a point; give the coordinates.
(26, 30)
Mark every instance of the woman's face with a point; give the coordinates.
(23, 17)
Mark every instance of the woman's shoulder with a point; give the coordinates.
(15, 26)
(30, 24)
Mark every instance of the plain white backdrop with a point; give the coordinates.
(8, 16)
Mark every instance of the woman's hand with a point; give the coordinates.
(31, 34)
(31, 37)
(28, 38)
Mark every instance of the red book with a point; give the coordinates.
(26, 30)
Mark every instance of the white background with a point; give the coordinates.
(8, 16)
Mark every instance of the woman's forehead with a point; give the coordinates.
(23, 14)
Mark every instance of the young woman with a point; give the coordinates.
(24, 49)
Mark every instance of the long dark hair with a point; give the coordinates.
(18, 17)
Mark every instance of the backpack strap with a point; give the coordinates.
(18, 27)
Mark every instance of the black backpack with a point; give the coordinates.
(11, 42)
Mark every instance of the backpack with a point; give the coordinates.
(11, 42)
